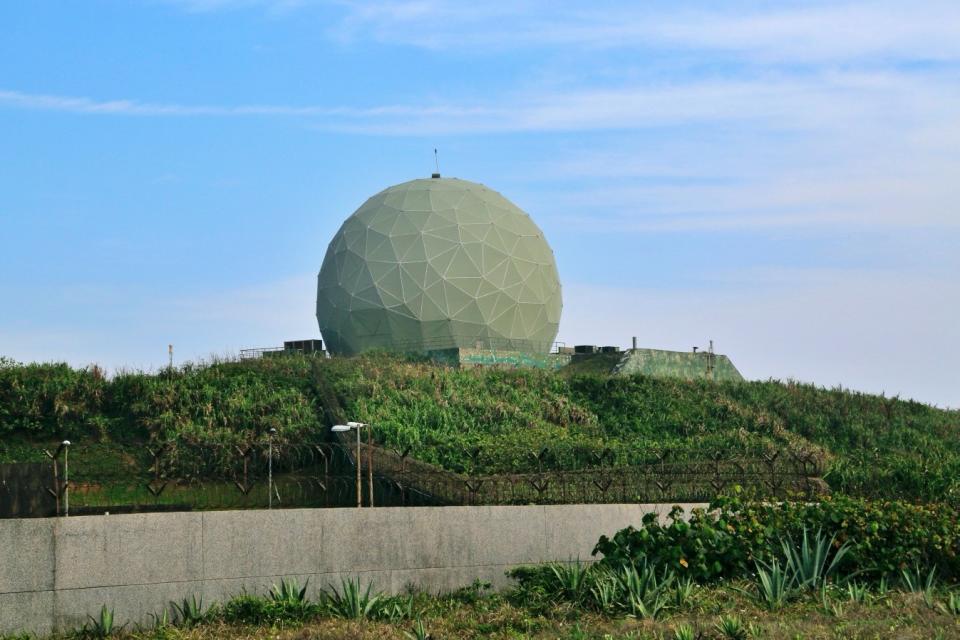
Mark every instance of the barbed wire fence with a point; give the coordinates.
(88, 478)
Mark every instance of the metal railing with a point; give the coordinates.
(177, 476)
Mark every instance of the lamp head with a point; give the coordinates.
(339, 428)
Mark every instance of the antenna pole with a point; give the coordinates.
(436, 160)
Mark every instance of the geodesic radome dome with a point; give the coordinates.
(435, 264)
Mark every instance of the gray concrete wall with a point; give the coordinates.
(55, 572)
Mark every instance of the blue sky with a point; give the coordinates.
(780, 177)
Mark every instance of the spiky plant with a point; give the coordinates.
(571, 578)
(775, 585)
(351, 601)
(731, 627)
(813, 561)
(102, 626)
(189, 612)
(684, 632)
(289, 592)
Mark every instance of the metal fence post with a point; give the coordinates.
(66, 478)
(273, 432)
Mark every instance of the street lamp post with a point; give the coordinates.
(340, 428)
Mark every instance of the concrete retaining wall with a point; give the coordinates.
(54, 572)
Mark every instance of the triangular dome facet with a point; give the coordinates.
(437, 264)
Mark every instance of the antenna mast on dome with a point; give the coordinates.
(436, 160)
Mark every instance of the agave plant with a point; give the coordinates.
(952, 604)
(571, 578)
(396, 609)
(605, 591)
(101, 626)
(775, 584)
(189, 612)
(351, 601)
(289, 592)
(830, 607)
(645, 595)
(419, 631)
(731, 627)
(858, 592)
(683, 591)
(813, 561)
(915, 582)
(684, 632)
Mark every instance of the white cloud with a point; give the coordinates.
(791, 32)
(841, 148)
(807, 32)
(832, 101)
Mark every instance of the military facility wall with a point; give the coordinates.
(54, 572)
(678, 364)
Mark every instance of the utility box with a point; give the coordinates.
(585, 348)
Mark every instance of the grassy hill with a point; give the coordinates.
(492, 420)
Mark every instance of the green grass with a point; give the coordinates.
(490, 421)
(712, 613)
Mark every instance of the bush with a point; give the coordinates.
(482, 421)
(249, 609)
(883, 537)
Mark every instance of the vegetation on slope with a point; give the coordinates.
(489, 420)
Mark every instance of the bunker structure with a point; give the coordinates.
(435, 265)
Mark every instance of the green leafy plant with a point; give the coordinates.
(814, 560)
(473, 592)
(571, 579)
(351, 600)
(418, 632)
(102, 626)
(289, 592)
(731, 627)
(189, 611)
(276, 608)
(952, 604)
(855, 538)
(683, 632)
(914, 581)
(605, 592)
(883, 587)
(858, 592)
(775, 584)
(682, 592)
(830, 606)
(396, 609)
(645, 595)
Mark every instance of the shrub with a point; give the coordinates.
(250, 609)
(640, 591)
(877, 538)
